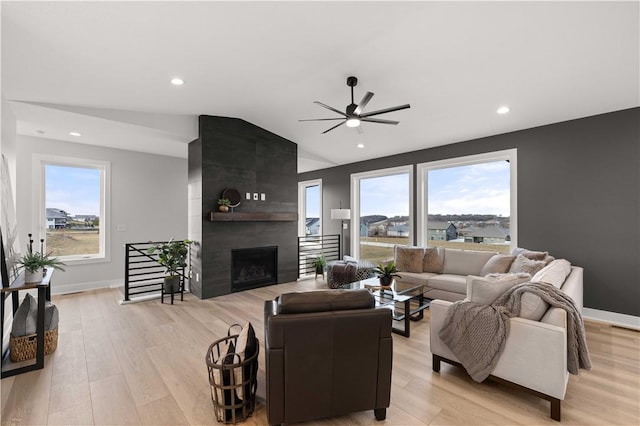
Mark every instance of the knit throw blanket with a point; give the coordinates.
(343, 273)
(476, 334)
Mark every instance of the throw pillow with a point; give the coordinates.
(25, 319)
(409, 259)
(555, 273)
(51, 316)
(499, 263)
(349, 259)
(433, 260)
(246, 347)
(524, 264)
(535, 255)
(485, 290)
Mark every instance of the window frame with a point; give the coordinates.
(355, 202)
(423, 169)
(302, 205)
(40, 161)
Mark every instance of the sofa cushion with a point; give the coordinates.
(449, 282)
(433, 260)
(465, 262)
(555, 273)
(485, 290)
(415, 277)
(499, 263)
(532, 307)
(409, 259)
(524, 264)
(324, 300)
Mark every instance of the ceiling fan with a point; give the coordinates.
(354, 113)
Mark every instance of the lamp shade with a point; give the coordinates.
(341, 214)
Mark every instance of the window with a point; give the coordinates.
(72, 207)
(469, 202)
(310, 206)
(381, 217)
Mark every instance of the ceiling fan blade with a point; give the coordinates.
(322, 119)
(378, 120)
(337, 125)
(382, 111)
(330, 108)
(363, 103)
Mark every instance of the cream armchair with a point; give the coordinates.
(535, 354)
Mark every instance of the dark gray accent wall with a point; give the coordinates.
(578, 197)
(237, 154)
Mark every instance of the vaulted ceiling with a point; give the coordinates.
(103, 69)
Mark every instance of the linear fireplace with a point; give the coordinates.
(254, 267)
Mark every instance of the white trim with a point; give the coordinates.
(423, 184)
(75, 288)
(614, 318)
(302, 205)
(355, 202)
(39, 161)
(145, 298)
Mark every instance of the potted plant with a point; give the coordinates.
(173, 256)
(223, 204)
(319, 263)
(35, 262)
(386, 272)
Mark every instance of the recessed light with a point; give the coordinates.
(503, 110)
(177, 81)
(360, 145)
(75, 134)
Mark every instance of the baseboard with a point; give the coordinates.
(614, 318)
(75, 288)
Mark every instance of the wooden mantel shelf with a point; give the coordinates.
(252, 217)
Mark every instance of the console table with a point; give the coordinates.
(44, 293)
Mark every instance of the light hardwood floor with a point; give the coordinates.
(144, 363)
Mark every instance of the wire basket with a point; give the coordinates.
(233, 381)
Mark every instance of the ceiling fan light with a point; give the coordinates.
(353, 122)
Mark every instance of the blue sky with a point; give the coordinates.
(473, 189)
(75, 190)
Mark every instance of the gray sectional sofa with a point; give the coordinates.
(444, 271)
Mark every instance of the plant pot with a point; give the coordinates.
(223, 209)
(33, 277)
(171, 284)
(386, 281)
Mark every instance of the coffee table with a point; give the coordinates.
(406, 301)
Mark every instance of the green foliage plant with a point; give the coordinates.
(34, 260)
(388, 269)
(172, 255)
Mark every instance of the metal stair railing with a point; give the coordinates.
(312, 246)
(142, 272)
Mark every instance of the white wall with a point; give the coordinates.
(8, 149)
(148, 196)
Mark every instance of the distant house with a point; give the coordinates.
(56, 218)
(491, 234)
(378, 229)
(443, 231)
(312, 226)
(398, 231)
